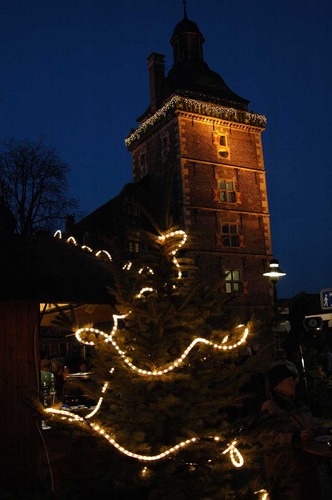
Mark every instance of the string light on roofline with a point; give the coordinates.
(72, 241)
(196, 106)
(86, 248)
(145, 269)
(101, 253)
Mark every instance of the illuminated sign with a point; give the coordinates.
(326, 298)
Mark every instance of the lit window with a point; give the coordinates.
(232, 281)
(226, 191)
(223, 150)
(134, 246)
(230, 236)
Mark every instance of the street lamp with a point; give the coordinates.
(274, 273)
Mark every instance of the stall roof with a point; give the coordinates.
(49, 270)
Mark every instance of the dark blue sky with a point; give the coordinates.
(75, 73)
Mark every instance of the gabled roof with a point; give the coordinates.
(47, 269)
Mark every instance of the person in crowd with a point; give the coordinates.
(65, 373)
(57, 370)
(83, 367)
(325, 360)
(291, 472)
(281, 359)
(47, 381)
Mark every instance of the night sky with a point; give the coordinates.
(75, 73)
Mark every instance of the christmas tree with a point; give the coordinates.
(173, 387)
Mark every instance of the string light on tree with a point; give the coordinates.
(235, 456)
(161, 370)
(168, 349)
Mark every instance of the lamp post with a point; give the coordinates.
(274, 273)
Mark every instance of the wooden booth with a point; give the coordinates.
(34, 271)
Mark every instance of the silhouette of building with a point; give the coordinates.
(200, 130)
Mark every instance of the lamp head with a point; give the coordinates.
(274, 272)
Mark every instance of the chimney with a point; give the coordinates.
(156, 64)
(69, 223)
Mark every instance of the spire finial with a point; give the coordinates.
(185, 9)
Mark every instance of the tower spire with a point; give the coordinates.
(185, 9)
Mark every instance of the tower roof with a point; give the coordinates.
(186, 26)
(189, 75)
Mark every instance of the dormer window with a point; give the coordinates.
(220, 140)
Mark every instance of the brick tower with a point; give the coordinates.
(198, 126)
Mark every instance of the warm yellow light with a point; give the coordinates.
(235, 456)
(72, 240)
(65, 414)
(86, 248)
(145, 269)
(143, 291)
(144, 458)
(171, 234)
(101, 253)
(158, 371)
(263, 494)
(100, 400)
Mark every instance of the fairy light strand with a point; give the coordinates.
(72, 241)
(100, 400)
(158, 371)
(195, 106)
(171, 234)
(235, 455)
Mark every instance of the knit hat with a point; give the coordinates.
(278, 373)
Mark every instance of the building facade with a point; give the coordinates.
(199, 128)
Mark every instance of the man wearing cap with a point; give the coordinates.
(291, 473)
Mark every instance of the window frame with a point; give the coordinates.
(230, 238)
(134, 247)
(233, 285)
(229, 195)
